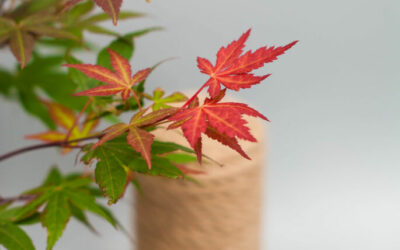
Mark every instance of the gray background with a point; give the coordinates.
(333, 168)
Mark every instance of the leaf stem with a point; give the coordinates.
(62, 143)
(137, 99)
(194, 96)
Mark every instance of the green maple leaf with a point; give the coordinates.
(161, 102)
(13, 237)
(21, 34)
(116, 158)
(39, 77)
(77, 19)
(62, 197)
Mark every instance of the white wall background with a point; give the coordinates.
(334, 100)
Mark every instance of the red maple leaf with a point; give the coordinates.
(232, 68)
(119, 81)
(111, 7)
(220, 121)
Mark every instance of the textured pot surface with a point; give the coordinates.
(220, 213)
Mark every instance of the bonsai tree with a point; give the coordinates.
(71, 98)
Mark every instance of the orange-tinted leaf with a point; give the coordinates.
(99, 73)
(90, 123)
(67, 121)
(111, 7)
(103, 90)
(141, 141)
(50, 136)
(61, 115)
(21, 45)
(120, 65)
(232, 68)
(140, 75)
(112, 132)
(118, 82)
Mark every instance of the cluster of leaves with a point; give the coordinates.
(72, 100)
(222, 121)
(52, 204)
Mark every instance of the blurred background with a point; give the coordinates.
(333, 175)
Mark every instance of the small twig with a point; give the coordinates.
(46, 145)
(23, 197)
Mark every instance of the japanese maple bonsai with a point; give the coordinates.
(74, 97)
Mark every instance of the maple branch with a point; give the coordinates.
(194, 96)
(77, 119)
(62, 143)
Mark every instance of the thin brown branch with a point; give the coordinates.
(23, 197)
(46, 145)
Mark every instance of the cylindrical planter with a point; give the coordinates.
(222, 212)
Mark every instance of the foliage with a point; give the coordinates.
(72, 100)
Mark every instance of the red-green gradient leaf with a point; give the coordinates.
(99, 73)
(141, 141)
(119, 81)
(140, 75)
(66, 121)
(21, 45)
(103, 90)
(61, 115)
(112, 132)
(111, 7)
(153, 117)
(120, 65)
